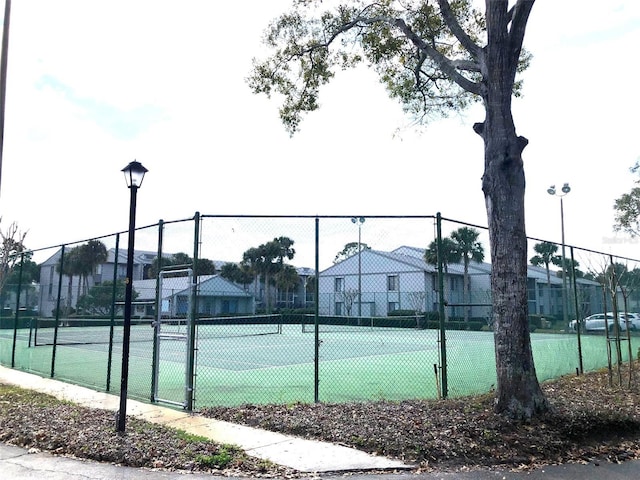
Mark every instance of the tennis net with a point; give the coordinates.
(327, 324)
(49, 331)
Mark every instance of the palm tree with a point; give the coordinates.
(450, 253)
(309, 286)
(280, 248)
(287, 279)
(93, 253)
(250, 262)
(285, 248)
(546, 256)
(204, 266)
(71, 266)
(470, 249)
(237, 273)
(267, 265)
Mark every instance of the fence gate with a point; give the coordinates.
(172, 337)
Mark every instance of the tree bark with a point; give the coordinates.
(518, 393)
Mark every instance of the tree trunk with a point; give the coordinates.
(78, 292)
(267, 292)
(550, 293)
(466, 289)
(518, 393)
(69, 293)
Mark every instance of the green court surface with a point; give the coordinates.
(243, 365)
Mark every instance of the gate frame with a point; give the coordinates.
(187, 338)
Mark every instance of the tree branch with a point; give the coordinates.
(449, 67)
(443, 62)
(466, 65)
(519, 14)
(453, 24)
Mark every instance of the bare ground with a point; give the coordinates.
(594, 418)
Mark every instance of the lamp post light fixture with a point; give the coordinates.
(552, 191)
(134, 174)
(359, 221)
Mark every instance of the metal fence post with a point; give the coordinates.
(316, 330)
(441, 300)
(55, 328)
(191, 372)
(155, 355)
(16, 317)
(114, 290)
(578, 313)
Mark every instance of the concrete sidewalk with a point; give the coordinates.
(299, 454)
(18, 464)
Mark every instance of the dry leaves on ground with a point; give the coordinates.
(593, 418)
(589, 419)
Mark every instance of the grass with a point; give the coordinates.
(41, 422)
(352, 367)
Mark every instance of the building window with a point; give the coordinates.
(392, 307)
(338, 285)
(339, 308)
(392, 283)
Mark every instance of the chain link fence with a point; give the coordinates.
(228, 310)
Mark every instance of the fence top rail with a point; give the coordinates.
(267, 216)
(318, 216)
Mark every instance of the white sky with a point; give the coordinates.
(93, 85)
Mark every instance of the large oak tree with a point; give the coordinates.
(434, 57)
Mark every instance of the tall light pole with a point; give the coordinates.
(134, 174)
(552, 191)
(4, 55)
(359, 221)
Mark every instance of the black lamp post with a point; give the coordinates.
(134, 174)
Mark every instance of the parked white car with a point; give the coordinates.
(634, 320)
(596, 322)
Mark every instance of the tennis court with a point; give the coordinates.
(276, 363)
